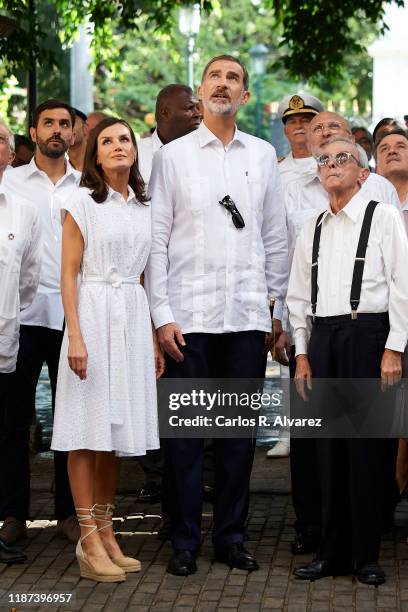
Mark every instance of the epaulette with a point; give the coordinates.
(281, 158)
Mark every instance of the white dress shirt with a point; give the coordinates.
(385, 278)
(34, 185)
(291, 169)
(203, 273)
(146, 148)
(20, 264)
(305, 197)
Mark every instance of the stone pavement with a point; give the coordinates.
(52, 568)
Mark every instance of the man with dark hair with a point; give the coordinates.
(45, 182)
(363, 137)
(177, 114)
(392, 162)
(24, 150)
(76, 152)
(385, 125)
(219, 256)
(228, 58)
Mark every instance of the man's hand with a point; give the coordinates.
(391, 368)
(303, 374)
(278, 342)
(170, 338)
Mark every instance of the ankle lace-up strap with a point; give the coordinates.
(104, 512)
(86, 514)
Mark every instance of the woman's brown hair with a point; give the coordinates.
(92, 174)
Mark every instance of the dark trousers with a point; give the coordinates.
(37, 345)
(232, 355)
(354, 473)
(304, 478)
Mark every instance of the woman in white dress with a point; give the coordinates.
(106, 392)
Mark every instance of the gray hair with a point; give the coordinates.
(11, 137)
(362, 155)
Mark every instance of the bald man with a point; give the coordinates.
(94, 118)
(177, 114)
(304, 198)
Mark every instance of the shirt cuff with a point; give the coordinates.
(396, 341)
(278, 310)
(301, 342)
(161, 316)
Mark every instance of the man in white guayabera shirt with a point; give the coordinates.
(45, 182)
(219, 254)
(20, 263)
(303, 198)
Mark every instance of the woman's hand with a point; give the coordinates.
(303, 374)
(77, 356)
(158, 357)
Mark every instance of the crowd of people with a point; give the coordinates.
(191, 254)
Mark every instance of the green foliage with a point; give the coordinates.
(315, 34)
(318, 33)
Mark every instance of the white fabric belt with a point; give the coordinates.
(118, 365)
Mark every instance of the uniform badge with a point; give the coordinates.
(296, 102)
(11, 236)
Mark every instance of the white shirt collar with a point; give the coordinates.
(32, 168)
(205, 136)
(115, 195)
(157, 143)
(353, 209)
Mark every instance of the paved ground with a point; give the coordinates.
(52, 568)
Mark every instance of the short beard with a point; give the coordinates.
(223, 110)
(50, 152)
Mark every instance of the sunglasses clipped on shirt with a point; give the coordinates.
(339, 159)
(228, 203)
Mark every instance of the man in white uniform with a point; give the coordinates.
(219, 255)
(20, 263)
(296, 112)
(303, 199)
(45, 182)
(177, 114)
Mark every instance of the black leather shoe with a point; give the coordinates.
(11, 554)
(150, 492)
(314, 570)
(371, 573)
(304, 544)
(182, 563)
(235, 555)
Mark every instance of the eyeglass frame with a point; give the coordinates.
(335, 158)
(228, 203)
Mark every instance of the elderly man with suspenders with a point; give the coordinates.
(349, 272)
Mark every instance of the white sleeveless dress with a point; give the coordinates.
(115, 408)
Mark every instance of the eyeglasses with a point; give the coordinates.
(228, 203)
(333, 126)
(340, 159)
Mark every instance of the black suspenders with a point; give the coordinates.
(359, 261)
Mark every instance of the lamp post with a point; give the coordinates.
(189, 26)
(258, 54)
